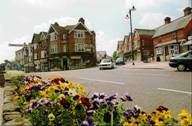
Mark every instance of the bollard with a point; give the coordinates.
(2, 79)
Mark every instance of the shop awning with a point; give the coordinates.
(166, 43)
(188, 42)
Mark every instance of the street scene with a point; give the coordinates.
(90, 64)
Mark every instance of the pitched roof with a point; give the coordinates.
(145, 31)
(36, 38)
(177, 24)
(69, 27)
(59, 28)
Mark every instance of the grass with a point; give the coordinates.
(13, 73)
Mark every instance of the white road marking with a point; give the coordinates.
(106, 81)
(172, 90)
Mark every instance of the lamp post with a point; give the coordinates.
(129, 16)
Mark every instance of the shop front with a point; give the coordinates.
(164, 51)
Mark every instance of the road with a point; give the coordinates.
(149, 88)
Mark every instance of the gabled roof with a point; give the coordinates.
(78, 25)
(149, 32)
(57, 28)
(36, 38)
(126, 37)
(177, 24)
(119, 44)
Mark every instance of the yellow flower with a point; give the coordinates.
(51, 89)
(80, 89)
(159, 123)
(62, 86)
(42, 93)
(167, 114)
(185, 118)
(143, 116)
(71, 85)
(51, 117)
(17, 97)
(128, 123)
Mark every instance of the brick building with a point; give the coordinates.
(28, 58)
(169, 39)
(143, 45)
(71, 46)
(120, 48)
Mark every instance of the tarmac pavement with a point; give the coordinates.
(152, 65)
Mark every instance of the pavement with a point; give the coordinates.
(152, 65)
(1, 104)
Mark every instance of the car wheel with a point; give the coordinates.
(181, 67)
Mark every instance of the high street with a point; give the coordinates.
(149, 88)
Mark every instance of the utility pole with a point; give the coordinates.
(129, 16)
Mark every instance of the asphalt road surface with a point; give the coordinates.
(149, 88)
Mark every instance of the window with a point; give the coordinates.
(35, 46)
(64, 36)
(35, 56)
(79, 34)
(53, 36)
(53, 49)
(43, 54)
(159, 51)
(174, 35)
(79, 47)
(64, 48)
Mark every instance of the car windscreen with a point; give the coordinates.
(106, 60)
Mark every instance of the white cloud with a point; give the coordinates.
(151, 20)
(145, 4)
(49, 4)
(104, 44)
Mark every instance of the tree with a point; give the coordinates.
(115, 55)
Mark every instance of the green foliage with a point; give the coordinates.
(115, 55)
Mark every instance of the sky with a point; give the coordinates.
(19, 19)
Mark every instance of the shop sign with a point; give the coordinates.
(75, 57)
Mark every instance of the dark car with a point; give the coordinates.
(120, 61)
(182, 61)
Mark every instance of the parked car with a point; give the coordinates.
(182, 61)
(119, 61)
(106, 63)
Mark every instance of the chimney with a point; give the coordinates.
(187, 11)
(56, 24)
(167, 20)
(82, 20)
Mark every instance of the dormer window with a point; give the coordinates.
(53, 36)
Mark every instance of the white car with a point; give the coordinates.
(106, 63)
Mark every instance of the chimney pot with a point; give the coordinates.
(167, 20)
(187, 11)
(82, 20)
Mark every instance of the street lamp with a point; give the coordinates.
(129, 16)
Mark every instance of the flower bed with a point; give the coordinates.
(57, 102)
